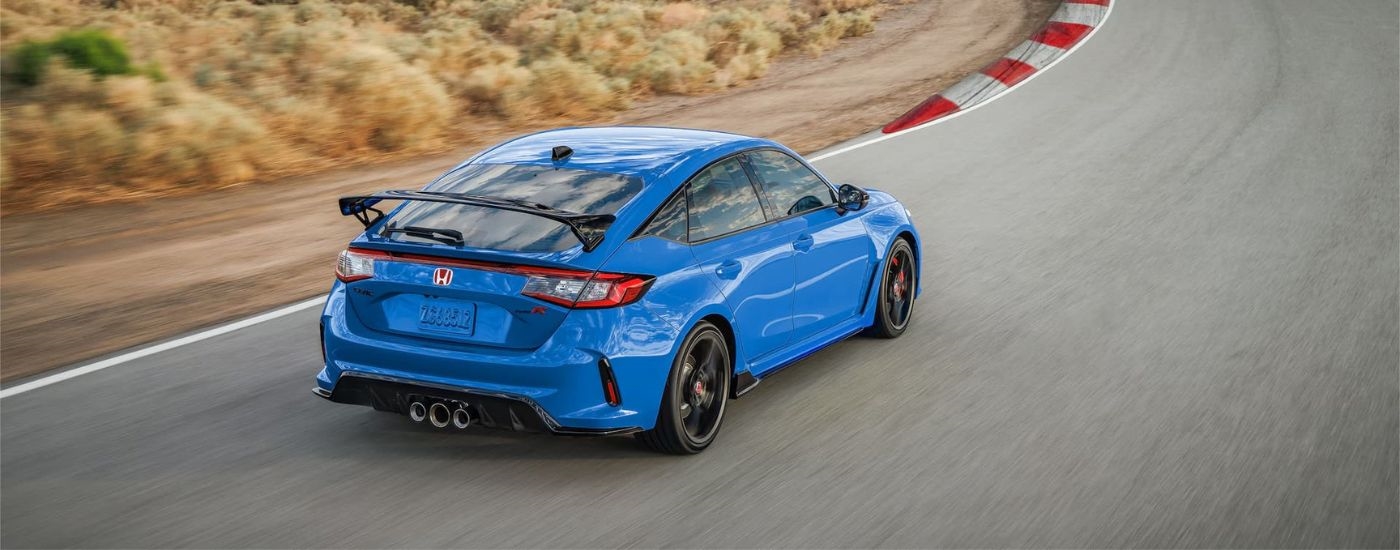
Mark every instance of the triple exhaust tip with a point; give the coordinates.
(461, 418)
(440, 415)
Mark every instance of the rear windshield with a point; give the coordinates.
(579, 191)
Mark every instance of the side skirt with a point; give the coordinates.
(816, 343)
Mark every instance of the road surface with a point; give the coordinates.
(1160, 310)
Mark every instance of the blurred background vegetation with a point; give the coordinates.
(117, 98)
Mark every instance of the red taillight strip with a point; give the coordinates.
(482, 265)
(625, 290)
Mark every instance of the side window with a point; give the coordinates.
(669, 222)
(791, 187)
(722, 201)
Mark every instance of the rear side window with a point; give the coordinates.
(580, 191)
(722, 201)
(792, 188)
(670, 220)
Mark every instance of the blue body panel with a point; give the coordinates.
(782, 290)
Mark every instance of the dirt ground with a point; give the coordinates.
(80, 283)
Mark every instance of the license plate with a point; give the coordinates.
(453, 317)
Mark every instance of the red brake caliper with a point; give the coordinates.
(898, 279)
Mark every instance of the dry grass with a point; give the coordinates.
(235, 90)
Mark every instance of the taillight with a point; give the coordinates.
(356, 264)
(566, 287)
(580, 289)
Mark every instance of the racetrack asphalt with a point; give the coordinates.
(1160, 310)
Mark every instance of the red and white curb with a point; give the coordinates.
(1069, 25)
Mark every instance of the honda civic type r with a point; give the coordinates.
(598, 281)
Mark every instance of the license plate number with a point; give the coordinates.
(457, 318)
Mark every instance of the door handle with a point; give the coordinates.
(803, 243)
(729, 269)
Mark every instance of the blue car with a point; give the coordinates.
(600, 281)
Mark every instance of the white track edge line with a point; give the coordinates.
(299, 306)
(976, 106)
(152, 350)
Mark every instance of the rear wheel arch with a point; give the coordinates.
(740, 380)
(728, 331)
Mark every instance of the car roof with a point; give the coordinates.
(642, 151)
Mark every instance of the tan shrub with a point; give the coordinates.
(384, 103)
(497, 15)
(738, 32)
(611, 38)
(828, 6)
(835, 26)
(746, 66)
(681, 14)
(62, 85)
(540, 30)
(130, 98)
(487, 86)
(560, 88)
(782, 18)
(860, 23)
(65, 143)
(455, 50)
(200, 140)
(307, 127)
(678, 65)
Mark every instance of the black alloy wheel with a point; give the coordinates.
(692, 407)
(897, 289)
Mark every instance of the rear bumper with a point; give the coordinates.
(555, 388)
(494, 410)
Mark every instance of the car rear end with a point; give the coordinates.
(479, 315)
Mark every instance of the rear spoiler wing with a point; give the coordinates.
(588, 228)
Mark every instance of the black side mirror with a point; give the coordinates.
(850, 197)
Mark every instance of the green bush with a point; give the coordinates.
(88, 49)
(27, 62)
(93, 50)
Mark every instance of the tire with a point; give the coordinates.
(692, 406)
(898, 283)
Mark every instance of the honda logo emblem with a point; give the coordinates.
(442, 276)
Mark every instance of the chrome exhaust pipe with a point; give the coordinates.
(417, 411)
(461, 418)
(439, 415)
